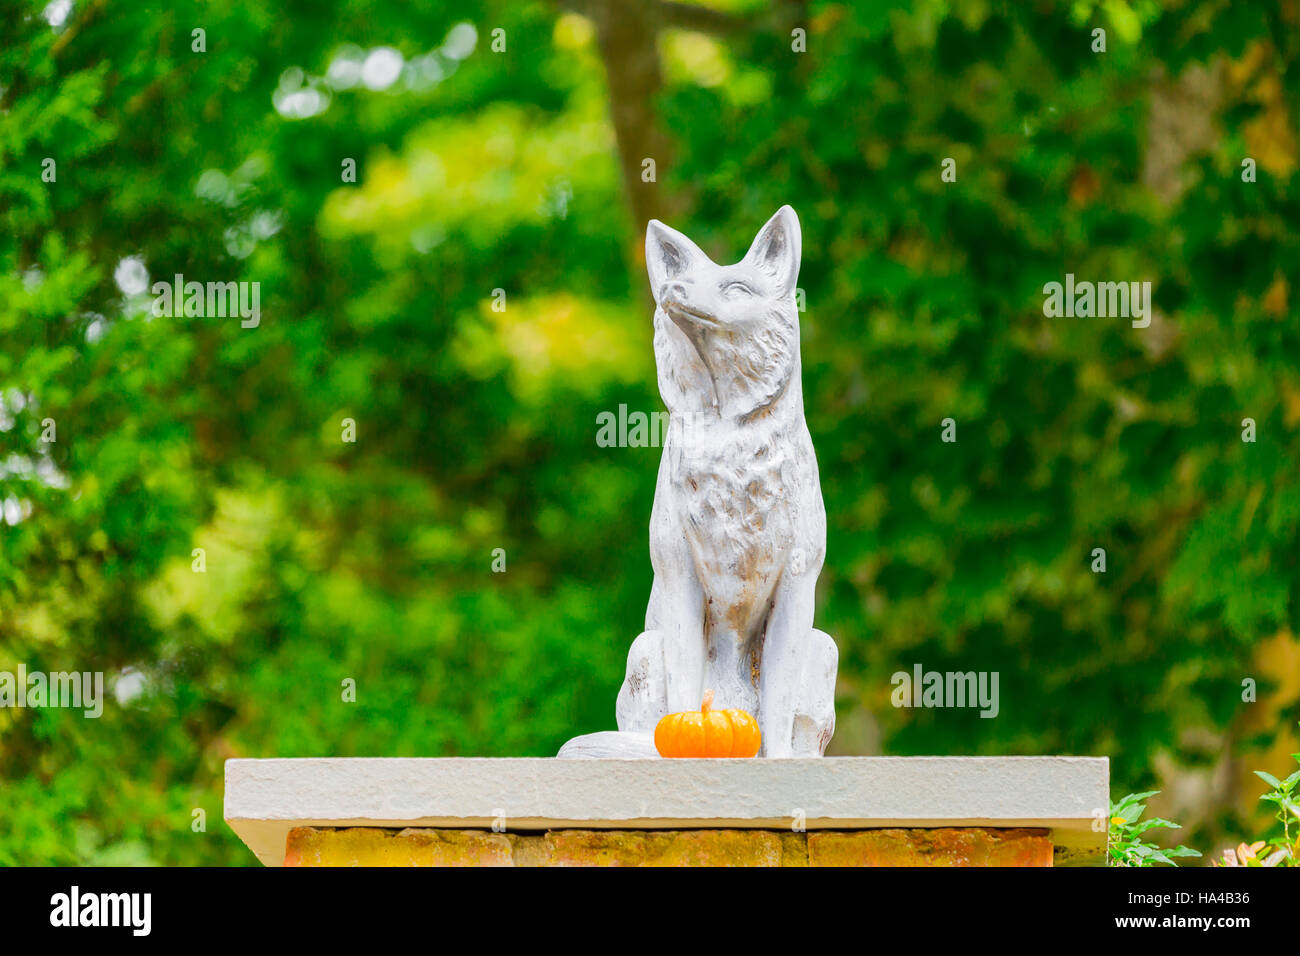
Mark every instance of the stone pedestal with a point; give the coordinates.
(416, 846)
(836, 811)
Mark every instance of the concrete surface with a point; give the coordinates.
(265, 799)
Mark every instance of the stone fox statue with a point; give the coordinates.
(738, 528)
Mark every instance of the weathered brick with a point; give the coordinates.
(419, 846)
(952, 846)
(664, 848)
(794, 848)
(416, 846)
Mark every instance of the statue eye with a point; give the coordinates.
(736, 290)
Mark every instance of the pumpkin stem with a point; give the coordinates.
(707, 702)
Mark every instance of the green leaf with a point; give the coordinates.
(1130, 814)
(1131, 799)
(1269, 779)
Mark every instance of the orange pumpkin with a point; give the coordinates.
(708, 733)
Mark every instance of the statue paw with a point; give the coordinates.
(643, 702)
(814, 718)
(608, 744)
(643, 698)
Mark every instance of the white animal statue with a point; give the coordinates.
(738, 528)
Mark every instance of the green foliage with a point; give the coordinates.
(1125, 844)
(1285, 848)
(372, 561)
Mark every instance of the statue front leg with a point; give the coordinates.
(781, 671)
(682, 629)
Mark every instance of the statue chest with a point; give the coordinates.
(733, 498)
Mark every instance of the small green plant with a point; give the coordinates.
(1281, 850)
(1126, 846)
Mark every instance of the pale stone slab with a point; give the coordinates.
(266, 798)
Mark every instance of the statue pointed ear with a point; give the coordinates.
(777, 250)
(668, 254)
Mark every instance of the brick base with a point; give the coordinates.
(964, 846)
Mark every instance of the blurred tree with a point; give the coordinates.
(497, 149)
